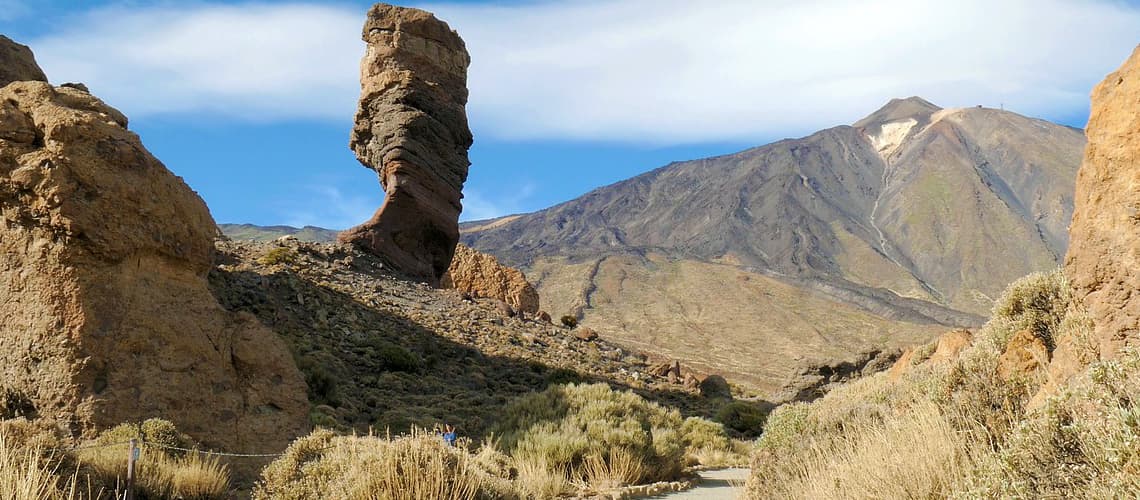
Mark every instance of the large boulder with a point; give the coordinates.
(105, 313)
(17, 64)
(481, 275)
(411, 128)
(1103, 261)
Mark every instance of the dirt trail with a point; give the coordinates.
(723, 484)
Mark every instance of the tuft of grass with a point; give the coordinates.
(415, 466)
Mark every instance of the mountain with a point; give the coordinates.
(251, 232)
(807, 250)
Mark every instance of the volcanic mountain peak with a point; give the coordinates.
(888, 127)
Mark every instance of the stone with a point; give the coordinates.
(715, 386)
(950, 345)
(17, 63)
(504, 309)
(479, 274)
(1024, 355)
(542, 316)
(1104, 250)
(108, 317)
(411, 128)
(585, 333)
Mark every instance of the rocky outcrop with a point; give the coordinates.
(812, 381)
(106, 313)
(480, 275)
(17, 64)
(411, 128)
(1103, 261)
(1024, 354)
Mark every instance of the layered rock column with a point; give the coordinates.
(411, 128)
(105, 311)
(1103, 261)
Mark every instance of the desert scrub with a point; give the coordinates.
(569, 321)
(160, 472)
(743, 417)
(959, 429)
(1037, 302)
(278, 255)
(1085, 442)
(416, 466)
(594, 435)
(27, 470)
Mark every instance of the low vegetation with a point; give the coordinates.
(962, 429)
(569, 439)
(36, 464)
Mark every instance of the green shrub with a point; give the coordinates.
(396, 358)
(569, 321)
(743, 417)
(278, 255)
(584, 431)
(1037, 302)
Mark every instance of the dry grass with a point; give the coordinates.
(958, 430)
(158, 474)
(416, 466)
(27, 473)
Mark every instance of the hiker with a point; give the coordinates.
(449, 436)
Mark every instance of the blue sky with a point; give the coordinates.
(252, 102)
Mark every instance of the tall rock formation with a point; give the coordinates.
(17, 64)
(411, 128)
(105, 313)
(1103, 263)
(482, 275)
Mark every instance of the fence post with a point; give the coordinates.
(132, 451)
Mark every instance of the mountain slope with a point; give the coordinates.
(915, 215)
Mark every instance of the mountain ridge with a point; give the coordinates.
(916, 214)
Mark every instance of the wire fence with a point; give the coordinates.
(144, 443)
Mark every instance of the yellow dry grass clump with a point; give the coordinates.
(961, 429)
(35, 464)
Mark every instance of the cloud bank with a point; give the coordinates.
(646, 71)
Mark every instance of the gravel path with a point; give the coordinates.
(723, 484)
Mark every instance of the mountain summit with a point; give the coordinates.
(911, 220)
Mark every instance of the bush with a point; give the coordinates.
(593, 434)
(396, 358)
(1037, 302)
(160, 472)
(416, 466)
(278, 255)
(569, 321)
(743, 417)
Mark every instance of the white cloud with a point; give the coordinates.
(678, 70)
(624, 70)
(257, 62)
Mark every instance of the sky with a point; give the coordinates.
(252, 101)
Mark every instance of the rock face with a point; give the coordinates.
(17, 64)
(481, 275)
(1103, 262)
(106, 313)
(411, 128)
